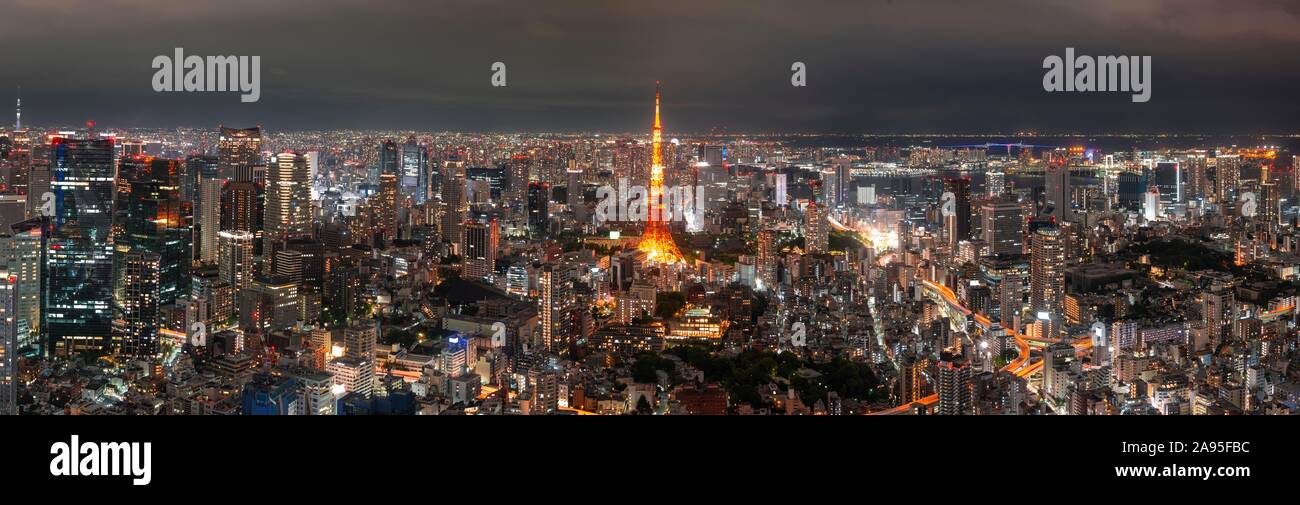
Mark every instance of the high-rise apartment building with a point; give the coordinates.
(480, 244)
(141, 280)
(955, 396)
(554, 306)
(455, 206)
(235, 258)
(817, 234)
(767, 259)
(1047, 277)
(385, 206)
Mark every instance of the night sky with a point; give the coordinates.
(1220, 66)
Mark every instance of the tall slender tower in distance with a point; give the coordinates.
(657, 242)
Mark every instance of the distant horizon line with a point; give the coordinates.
(9, 129)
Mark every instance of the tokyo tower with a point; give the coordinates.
(656, 241)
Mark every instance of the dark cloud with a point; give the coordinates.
(900, 66)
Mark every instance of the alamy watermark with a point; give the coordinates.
(91, 459)
(214, 73)
(1103, 73)
(632, 203)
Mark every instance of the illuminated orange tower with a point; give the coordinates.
(657, 243)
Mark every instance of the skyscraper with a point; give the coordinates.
(954, 386)
(1010, 299)
(158, 221)
(235, 258)
(217, 296)
(1227, 174)
(209, 218)
(389, 158)
(78, 301)
(1151, 204)
(1002, 223)
(1218, 312)
(242, 205)
(1056, 194)
(288, 211)
(767, 258)
(197, 169)
(573, 187)
(414, 172)
(817, 234)
(21, 252)
(239, 150)
(1047, 277)
(842, 174)
(539, 193)
(311, 262)
(1168, 177)
(8, 345)
(385, 207)
(38, 183)
(454, 204)
(480, 246)
(1196, 177)
(995, 183)
(956, 225)
(1132, 188)
(141, 283)
(518, 173)
(1270, 204)
(554, 304)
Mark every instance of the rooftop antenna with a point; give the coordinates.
(18, 116)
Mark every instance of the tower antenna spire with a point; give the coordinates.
(656, 138)
(18, 112)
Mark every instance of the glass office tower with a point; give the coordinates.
(78, 299)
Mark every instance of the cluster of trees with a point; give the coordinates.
(407, 339)
(1184, 254)
(843, 241)
(669, 303)
(743, 374)
(645, 368)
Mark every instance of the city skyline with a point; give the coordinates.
(440, 213)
